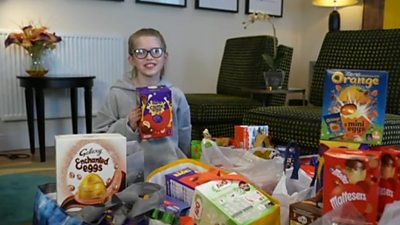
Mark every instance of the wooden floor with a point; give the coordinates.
(20, 161)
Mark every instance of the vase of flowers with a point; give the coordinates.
(273, 76)
(35, 40)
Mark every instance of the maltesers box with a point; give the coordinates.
(305, 212)
(352, 177)
(181, 184)
(232, 203)
(250, 137)
(389, 184)
(90, 168)
(156, 109)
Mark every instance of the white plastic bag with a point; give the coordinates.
(261, 172)
(391, 214)
(345, 214)
(293, 188)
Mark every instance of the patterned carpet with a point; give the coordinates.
(19, 178)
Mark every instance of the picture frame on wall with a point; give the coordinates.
(271, 7)
(220, 5)
(174, 3)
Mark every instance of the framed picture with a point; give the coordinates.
(220, 5)
(175, 3)
(272, 7)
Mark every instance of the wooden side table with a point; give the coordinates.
(36, 85)
(276, 91)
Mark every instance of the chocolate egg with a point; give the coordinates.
(348, 109)
(91, 188)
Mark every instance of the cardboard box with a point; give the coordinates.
(232, 202)
(304, 212)
(389, 184)
(250, 137)
(327, 144)
(196, 149)
(90, 168)
(180, 184)
(156, 105)
(353, 108)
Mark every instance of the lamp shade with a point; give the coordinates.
(334, 3)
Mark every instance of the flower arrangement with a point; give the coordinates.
(273, 61)
(35, 40)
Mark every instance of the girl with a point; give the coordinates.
(121, 114)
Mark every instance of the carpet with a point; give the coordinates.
(17, 195)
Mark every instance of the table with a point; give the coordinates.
(36, 85)
(266, 91)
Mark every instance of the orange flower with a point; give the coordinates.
(33, 39)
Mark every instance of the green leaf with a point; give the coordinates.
(269, 61)
(273, 63)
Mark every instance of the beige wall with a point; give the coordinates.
(195, 38)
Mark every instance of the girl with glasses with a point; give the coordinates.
(121, 113)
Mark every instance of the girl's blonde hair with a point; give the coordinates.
(149, 32)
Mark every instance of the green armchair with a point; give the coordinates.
(364, 49)
(241, 67)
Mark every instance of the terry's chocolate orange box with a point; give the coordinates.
(389, 184)
(90, 168)
(353, 108)
(156, 106)
(352, 177)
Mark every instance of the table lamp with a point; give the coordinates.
(334, 17)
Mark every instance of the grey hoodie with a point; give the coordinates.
(121, 99)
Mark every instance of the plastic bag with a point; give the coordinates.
(144, 157)
(123, 208)
(293, 188)
(391, 214)
(346, 214)
(261, 172)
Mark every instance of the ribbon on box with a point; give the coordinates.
(216, 174)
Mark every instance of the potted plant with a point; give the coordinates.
(273, 76)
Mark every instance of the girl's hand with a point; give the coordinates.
(134, 117)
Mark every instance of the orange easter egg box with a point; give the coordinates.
(354, 104)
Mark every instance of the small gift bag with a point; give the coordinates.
(293, 188)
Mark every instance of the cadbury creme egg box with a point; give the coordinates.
(90, 168)
(156, 111)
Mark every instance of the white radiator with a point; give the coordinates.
(76, 55)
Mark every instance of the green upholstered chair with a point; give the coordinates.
(364, 49)
(241, 66)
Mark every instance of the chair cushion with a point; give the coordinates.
(206, 108)
(303, 124)
(215, 129)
